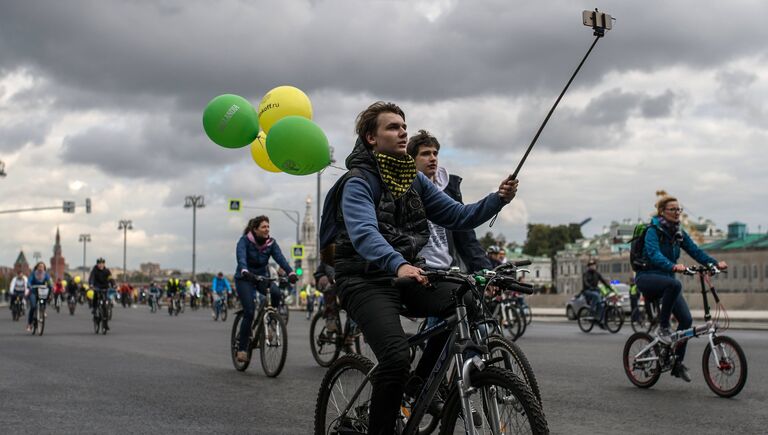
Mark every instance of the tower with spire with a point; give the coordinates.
(21, 264)
(309, 240)
(58, 264)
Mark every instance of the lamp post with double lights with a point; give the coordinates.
(194, 202)
(125, 225)
(85, 238)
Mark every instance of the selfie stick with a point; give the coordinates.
(600, 22)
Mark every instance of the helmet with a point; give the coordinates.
(493, 249)
(100, 260)
(77, 280)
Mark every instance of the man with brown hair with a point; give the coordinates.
(384, 205)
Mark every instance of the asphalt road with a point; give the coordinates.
(158, 374)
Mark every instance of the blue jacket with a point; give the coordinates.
(359, 213)
(218, 285)
(255, 258)
(663, 251)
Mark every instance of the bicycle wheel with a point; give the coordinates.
(223, 313)
(639, 320)
(528, 314)
(725, 370)
(338, 392)
(497, 390)
(233, 346)
(57, 304)
(523, 320)
(105, 317)
(284, 312)
(642, 370)
(512, 358)
(614, 319)
(274, 344)
(585, 319)
(513, 326)
(109, 312)
(325, 345)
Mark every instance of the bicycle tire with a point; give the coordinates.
(726, 367)
(528, 314)
(518, 364)
(274, 351)
(57, 304)
(639, 320)
(650, 369)
(531, 416)
(71, 307)
(324, 357)
(223, 313)
(284, 312)
(105, 318)
(40, 319)
(358, 367)
(513, 326)
(523, 321)
(233, 345)
(585, 319)
(614, 319)
(109, 312)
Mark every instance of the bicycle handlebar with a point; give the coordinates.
(710, 269)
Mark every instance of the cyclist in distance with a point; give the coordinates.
(100, 280)
(254, 249)
(171, 288)
(38, 277)
(493, 254)
(591, 280)
(664, 239)
(220, 286)
(379, 239)
(19, 285)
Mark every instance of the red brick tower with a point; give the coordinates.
(58, 264)
(21, 264)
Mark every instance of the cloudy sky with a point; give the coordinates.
(104, 99)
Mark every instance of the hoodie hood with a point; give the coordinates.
(361, 157)
(441, 178)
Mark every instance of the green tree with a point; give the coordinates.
(489, 239)
(547, 239)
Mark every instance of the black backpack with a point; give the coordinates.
(637, 258)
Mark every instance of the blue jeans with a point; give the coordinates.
(247, 293)
(670, 291)
(594, 299)
(32, 307)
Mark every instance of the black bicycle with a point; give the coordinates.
(723, 363)
(220, 308)
(71, 303)
(101, 317)
(612, 318)
(645, 317)
(17, 307)
(268, 333)
(327, 337)
(481, 397)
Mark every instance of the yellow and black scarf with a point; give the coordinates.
(396, 173)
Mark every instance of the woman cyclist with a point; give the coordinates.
(663, 241)
(38, 277)
(254, 249)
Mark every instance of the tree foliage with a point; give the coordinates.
(547, 239)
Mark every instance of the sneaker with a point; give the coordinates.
(242, 357)
(664, 335)
(29, 328)
(681, 371)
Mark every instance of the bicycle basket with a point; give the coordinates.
(42, 292)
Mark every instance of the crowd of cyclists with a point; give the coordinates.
(396, 214)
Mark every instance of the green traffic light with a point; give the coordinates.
(299, 271)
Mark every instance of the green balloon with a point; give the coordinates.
(298, 146)
(230, 121)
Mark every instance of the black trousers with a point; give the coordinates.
(377, 307)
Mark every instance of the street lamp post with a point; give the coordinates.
(125, 225)
(194, 202)
(85, 238)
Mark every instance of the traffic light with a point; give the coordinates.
(297, 267)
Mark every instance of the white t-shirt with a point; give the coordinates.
(436, 251)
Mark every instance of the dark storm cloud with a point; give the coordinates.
(193, 50)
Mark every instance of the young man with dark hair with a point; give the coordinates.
(380, 237)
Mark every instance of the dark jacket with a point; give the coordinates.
(255, 258)
(463, 244)
(591, 279)
(100, 279)
(662, 248)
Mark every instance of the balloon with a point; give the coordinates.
(259, 153)
(77, 280)
(230, 121)
(89, 294)
(298, 146)
(280, 102)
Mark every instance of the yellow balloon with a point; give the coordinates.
(259, 153)
(280, 102)
(89, 294)
(77, 280)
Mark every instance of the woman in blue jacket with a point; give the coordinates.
(38, 277)
(663, 241)
(254, 249)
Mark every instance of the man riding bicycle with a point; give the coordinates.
(591, 280)
(171, 288)
(663, 241)
(381, 239)
(100, 281)
(220, 288)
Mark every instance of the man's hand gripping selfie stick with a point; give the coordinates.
(600, 22)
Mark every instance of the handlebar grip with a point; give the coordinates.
(521, 288)
(522, 263)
